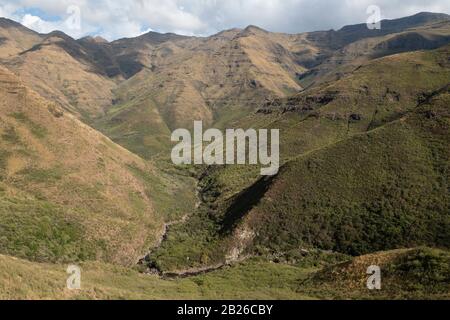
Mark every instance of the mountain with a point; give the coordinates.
(69, 193)
(78, 74)
(365, 159)
(15, 38)
(85, 175)
(353, 33)
(227, 76)
(333, 64)
(138, 90)
(59, 69)
(213, 79)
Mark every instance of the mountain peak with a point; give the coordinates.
(5, 23)
(431, 15)
(156, 38)
(253, 28)
(420, 18)
(403, 23)
(96, 39)
(229, 33)
(59, 34)
(8, 23)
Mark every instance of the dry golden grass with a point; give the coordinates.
(60, 160)
(15, 38)
(20, 279)
(57, 76)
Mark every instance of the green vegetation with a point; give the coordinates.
(36, 129)
(39, 231)
(250, 280)
(138, 126)
(376, 191)
(38, 175)
(421, 273)
(10, 135)
(190, 245)
(375, 183)
(70, 194)
(364, 150)
(253, 279)
(173, 195)
(3, 157)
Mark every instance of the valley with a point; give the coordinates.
(86, 175)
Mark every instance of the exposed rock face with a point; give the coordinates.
(299, 103)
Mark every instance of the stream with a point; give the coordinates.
(180, 273)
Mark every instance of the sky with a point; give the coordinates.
(114, 19)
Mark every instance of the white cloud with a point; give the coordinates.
(7, 9)
(113, 19)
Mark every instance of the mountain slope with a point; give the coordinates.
(59, 69)
(210, 79)
(354, 33)
(67, 192)
(15, 38)
(336, 60)
(381, 190)
(223, 78)
(420, 273)
(365, 136)
(173, 80)
(347, 146)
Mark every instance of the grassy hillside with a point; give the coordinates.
(381, 190)
(363, 165)
(68, 193)
(51, 70)
(15, 38)
(421, 273)
(365, 133)
(215, 79)
(414, 274)
(253, 280)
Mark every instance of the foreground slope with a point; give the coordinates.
(420, 273)
(406, 274)
(67, 192)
